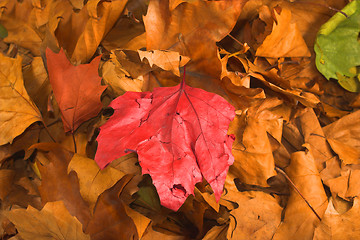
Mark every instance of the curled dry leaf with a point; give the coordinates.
(300, 221)
(313, 135)
(179, 134)
(192, 29)
(125, 70)
(346, 185)
(77, 89)
(17, 110)
(254, 162)
(169, 61)
(52, 222)
(252, 149)
(344, 137)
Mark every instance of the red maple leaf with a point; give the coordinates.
(77, 89)
(180, 135)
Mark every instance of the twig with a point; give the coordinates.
(297, 190)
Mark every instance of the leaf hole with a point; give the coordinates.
(178, 189)
(107, 112)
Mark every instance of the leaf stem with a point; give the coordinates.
(73, 137)
(237, 41)
(297, 190)
(47, 130)
(183, 79)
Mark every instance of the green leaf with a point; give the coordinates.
(3, 31)
(337, 47)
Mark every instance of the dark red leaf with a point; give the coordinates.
(77, 89)
(180, 135)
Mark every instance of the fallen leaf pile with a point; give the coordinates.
(105, 135)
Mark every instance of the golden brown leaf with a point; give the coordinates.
(254, 161)
(109, 220)
(17, 110)
(25, 21)
(151, 234)
(192, 29)
(57, 184)
(346, 185)
(257, 216)
(299, 221)
(216, 232)
(123, 72)
(337, 226)
(81, 40)
(344, 137)
(21, 142)
(141, 222)
(18, 186)
(285, 39)
(253, 221)
(126, 34)
(37, 83)
(52, 222)
(313, 135)
(92, 180)
(167, 60)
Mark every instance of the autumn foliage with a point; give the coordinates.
(174, 119)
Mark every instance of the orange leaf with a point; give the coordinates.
(77, 89)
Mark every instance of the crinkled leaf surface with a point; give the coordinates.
(77, 89)
(180, 135)
(338, 49)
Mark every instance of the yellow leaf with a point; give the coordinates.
(92, 180)
(52, 222)
(167, 60)
(17, 110)
(285, 40)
